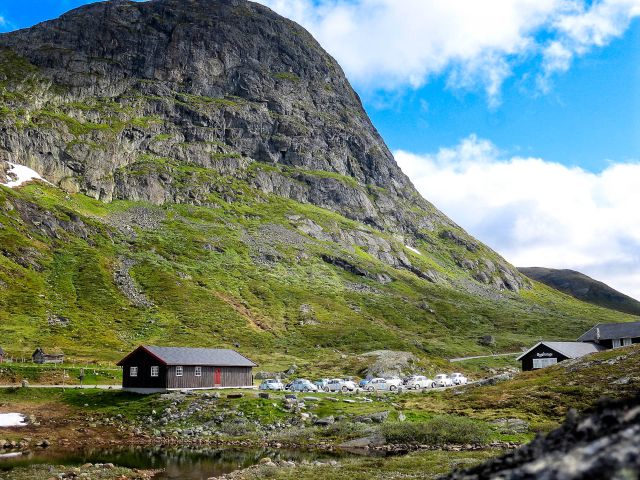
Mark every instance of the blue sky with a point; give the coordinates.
(520, 119)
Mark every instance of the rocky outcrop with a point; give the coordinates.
(179, 101)
(600, 444)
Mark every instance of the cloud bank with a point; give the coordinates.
(538, 213)
(391, 44)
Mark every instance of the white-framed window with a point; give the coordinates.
(626, 342)
(544, 362)
(198, 371)
(155, 371)
(178, 371)
(617, 342)
(133, 371)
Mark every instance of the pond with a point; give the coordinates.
(186, 463)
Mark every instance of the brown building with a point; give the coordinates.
(151, 369)
(39, 356)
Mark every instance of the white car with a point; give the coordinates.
(442, 380)
(418, 381)
(384, 384)
(459, 379)
(271, 384)
(302, 385)
(340, 385)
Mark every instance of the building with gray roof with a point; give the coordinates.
(151, 369)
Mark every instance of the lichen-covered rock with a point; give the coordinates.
(601, 444)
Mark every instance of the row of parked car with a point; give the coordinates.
(415, 382)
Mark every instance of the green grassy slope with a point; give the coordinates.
(204, 272)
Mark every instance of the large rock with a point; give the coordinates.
(602, 444)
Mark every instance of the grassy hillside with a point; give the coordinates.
(95, 279)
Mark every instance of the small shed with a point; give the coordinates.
(40, 357)
(613, 335)
(150, 369)
(545, 354)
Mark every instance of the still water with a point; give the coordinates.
(186, 463)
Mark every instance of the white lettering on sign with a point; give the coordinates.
(545, 354)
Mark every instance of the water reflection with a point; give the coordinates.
(187, 463)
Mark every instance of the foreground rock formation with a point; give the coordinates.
(603, 444)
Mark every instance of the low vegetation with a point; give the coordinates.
(439, 430)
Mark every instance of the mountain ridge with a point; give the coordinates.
(217, 181)
(584, 288)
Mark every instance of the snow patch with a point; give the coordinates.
(12, 420)
(413, 250)
(21, 174)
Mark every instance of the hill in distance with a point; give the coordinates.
(583, 288)
(213, 180)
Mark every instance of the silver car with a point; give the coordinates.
(340, 385)
(443, 380)
(302, 385)
(384, 384)
(459, 379)
(418, 381)
(271, 384)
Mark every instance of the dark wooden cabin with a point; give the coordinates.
(40, 357)
(545, 354)
(151, 369)
(613, 335)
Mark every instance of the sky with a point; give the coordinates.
(520, 119)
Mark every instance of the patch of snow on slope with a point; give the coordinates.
(21, 174)
(12, 420)
(413, 249)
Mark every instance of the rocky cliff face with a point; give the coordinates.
(193, 101)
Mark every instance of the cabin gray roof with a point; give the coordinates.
(609, 331)
(568, 349)
(199, 356)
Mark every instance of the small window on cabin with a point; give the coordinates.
(133, 371)
(626, 342)
(155, 371)
(617, 343)
(178, 371)
(198, 371)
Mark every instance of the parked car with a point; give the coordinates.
(459, 379)
(363, 382)
(418, 381)
(271, 384)
(442, 380)
(341, 385)
(382, 384)
(321, 383)
(302, 385)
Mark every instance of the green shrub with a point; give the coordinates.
(444, 429)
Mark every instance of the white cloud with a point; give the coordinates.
(390, 44)
(538, 213)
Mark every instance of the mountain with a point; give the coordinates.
(213, 179)
(583, 288)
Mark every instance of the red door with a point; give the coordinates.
(217, 378)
